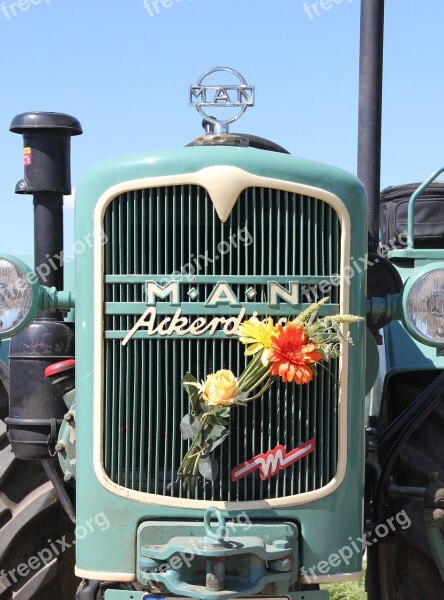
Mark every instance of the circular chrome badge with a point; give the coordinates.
(221, 95)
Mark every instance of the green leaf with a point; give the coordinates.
(215, 433)
(212, 445)
(214, 437)
(193, 393)
(221, 421)
(189, 427)
(208, 468)
(216, 420)
(224, 412)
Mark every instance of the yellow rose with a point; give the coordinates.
(220, 389)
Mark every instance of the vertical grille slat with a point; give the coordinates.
(161, 231)
(143, 420)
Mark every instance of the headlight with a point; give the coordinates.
(423, 305)
(19, 296)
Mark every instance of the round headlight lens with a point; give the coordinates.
(425, 306)
(17, 297)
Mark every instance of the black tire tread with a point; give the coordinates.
(416, 575)
(30, 515)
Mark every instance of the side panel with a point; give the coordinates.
(4, 351)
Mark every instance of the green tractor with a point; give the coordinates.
(189, 418)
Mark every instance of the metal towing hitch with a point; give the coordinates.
(207, 562)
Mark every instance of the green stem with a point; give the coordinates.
(252, 373)
(257, 383)
(193, 444)
(253, 380)
(263, 390)
(250, 367)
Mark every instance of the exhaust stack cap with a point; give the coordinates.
(46, 151)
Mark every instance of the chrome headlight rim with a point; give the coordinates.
(420, 275)
(28, 276)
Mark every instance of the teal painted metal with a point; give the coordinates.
(218, 533)
(384, 307)
(248, 559)
(66, 446)
(435, 538)
(338, 513)
(411, 207)
(420, 255)
(52, 299)
(371, 362)
(124, 595)
(189, 160)
(404, 353)
(4, 351)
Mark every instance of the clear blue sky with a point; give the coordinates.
(124, 74)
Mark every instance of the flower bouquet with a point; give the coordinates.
(291, 351)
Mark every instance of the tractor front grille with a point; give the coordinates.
(159, 231)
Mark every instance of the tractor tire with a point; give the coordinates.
(36, 538)
(4, 398)
(4, 391)
(408, 564)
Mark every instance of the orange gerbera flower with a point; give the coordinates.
(291, 355)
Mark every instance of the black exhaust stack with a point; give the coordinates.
(46, 158)
(370, 110)
(36, 408)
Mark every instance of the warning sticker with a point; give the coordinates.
(27, 156)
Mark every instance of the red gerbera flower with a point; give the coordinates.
(291, 355)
